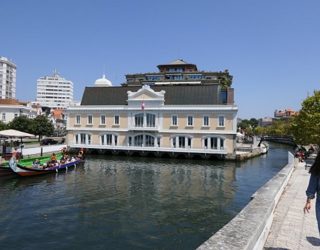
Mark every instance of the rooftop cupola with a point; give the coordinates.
(103, 82)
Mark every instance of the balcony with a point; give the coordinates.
(154, 128)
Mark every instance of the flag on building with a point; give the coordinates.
(142, 105)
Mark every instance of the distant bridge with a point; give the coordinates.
(279, 139)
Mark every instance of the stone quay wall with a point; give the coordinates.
(249, 229)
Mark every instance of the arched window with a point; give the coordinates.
(213, 142)
(83, 138)
(182, 141)
(149, 141)
(138, 140)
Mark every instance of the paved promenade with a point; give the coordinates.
(291, 228)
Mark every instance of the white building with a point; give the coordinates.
(11, 108)
(178, 115)
(7, 79)
(54, 91)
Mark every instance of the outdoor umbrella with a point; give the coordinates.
(12, 133)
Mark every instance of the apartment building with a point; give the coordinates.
(7, 79)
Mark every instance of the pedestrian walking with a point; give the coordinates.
(314, 188)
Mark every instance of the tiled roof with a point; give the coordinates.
(174, 95)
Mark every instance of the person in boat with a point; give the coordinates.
(64, 158)
(14, 154)
(53, 160)
(80, 154)
(36, 163)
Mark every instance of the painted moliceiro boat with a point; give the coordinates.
(24, 169)
(5, 169)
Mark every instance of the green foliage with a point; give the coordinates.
(279, 128)
(248, 124)
(306, 126)
(260, 130)
(3, 126)
(42, 126)
(21, 123)
(37, 126)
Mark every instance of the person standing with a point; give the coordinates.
(314, 188)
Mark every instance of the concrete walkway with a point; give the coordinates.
(291, 228)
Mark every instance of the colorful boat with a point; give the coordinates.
(29, 168)
(5, 169)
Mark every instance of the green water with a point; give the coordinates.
(119, 202)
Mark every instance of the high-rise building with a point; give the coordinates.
(54, 91)
(7, 79)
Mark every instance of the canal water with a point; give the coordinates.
(119, 202)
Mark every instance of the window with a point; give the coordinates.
(89, 119)
(109, 139)
(189, 142)
(221, 121)
(3, 116)
(116, 120)
(221, 143)
(190, 120)
(181, 142)
(174, 120)
(138, 140)
(149, 141)
(102, 120)
(138, 120)
(78, 119)
(106, 139)
(83, 138)
(151, 120)
(206, 121)
(214, 143)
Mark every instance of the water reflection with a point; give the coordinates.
(129, 203)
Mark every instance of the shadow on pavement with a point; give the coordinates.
(276, 248)
(314, 241)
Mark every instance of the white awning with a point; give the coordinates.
(14, 133)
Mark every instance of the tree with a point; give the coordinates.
(42, 126)
(3, 126)
(306, 125)
(279, 127)
(21, 123)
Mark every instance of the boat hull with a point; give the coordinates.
(6, 171)
(30, 171)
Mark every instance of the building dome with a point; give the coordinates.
(103, 82)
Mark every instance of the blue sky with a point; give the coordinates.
(272, 48)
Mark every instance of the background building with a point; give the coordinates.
(286, 113)
(169, 116)
(11, 108)
(7, 79)
(54, 91)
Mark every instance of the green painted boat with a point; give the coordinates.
(5, 170)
